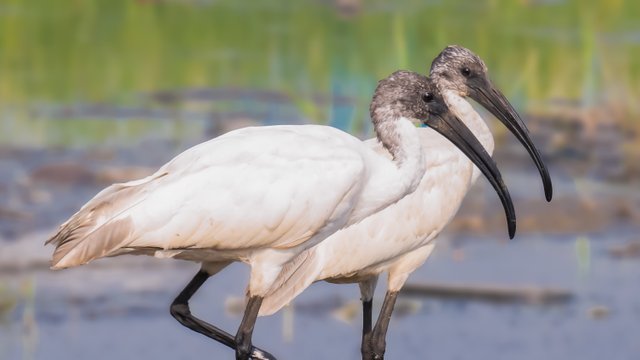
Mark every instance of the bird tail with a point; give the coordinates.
(100, 227)
(294, 278)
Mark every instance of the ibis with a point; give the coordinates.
(399, 239)
(265, 195)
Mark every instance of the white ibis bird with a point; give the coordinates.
(398, 239)
(262, 196)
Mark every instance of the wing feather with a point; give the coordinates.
(252, 188)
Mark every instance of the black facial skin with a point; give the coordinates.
(414, 96)
(459, 69)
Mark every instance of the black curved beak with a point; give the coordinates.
(455, 131)
(493, 100)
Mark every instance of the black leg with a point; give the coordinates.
(367, 306)
(181, 312)
(245, 331)
(374, 343)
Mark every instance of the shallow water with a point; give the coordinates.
(118, 308)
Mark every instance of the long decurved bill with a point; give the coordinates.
(493, 100)
(455, 131)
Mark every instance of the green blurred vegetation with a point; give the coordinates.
(107, 51)
(7, 302)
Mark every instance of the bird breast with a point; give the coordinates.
(407, 225)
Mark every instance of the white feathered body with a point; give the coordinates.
(253, 193)
(377, 241)
(399, 238)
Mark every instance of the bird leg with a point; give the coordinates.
(374, 343)
(367, 289)
(367, 305)
(181, 312)
(245, 331)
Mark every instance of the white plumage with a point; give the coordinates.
(249, 194)
(399, 238)
(261, 196)
(271, 196)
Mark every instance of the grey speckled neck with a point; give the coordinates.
(398, 96)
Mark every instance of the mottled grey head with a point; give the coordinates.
(460, 70)
(405, 94)
(457, 68)
(414, 96)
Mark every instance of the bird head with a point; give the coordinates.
(459, 70)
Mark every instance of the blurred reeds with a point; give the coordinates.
(7, 302)
(540, 52)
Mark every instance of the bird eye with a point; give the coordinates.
(466, 72)
(427, 97)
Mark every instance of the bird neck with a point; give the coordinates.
(400, 138)
(470, 117)
(397, 135)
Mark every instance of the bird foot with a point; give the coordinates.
(257, 354)
(370, 355)
(372, 350)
